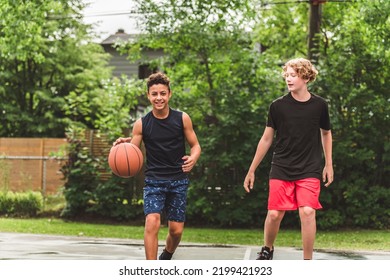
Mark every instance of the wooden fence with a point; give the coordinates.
(29, 164)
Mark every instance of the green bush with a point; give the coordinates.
(27, 204)
(6, 203)
(89, 195)
(81, 176)
(115, 199)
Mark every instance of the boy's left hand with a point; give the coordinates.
(188, 164)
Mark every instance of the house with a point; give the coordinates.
(119, 61)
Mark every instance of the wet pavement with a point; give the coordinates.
(16, 246)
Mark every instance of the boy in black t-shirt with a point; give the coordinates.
(301, 123)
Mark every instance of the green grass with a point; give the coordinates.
(370, 240)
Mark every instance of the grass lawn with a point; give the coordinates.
(371, 240)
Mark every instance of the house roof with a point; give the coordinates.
(119, 35)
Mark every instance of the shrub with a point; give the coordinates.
(6, 203)
(26, 204)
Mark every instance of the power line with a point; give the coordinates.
(135, 13)
(112, 13)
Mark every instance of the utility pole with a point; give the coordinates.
(314, 29)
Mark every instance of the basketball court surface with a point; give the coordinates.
(16, 246)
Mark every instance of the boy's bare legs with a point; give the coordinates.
(152, 226)
(174, 235)
(308, 230)
(271, 226)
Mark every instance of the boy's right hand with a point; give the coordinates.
(122, 140)
(248, 182)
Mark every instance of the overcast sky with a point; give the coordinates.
(109, 16)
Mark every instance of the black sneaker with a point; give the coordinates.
(165, 255)
(265, 253)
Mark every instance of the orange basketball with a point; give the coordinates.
(125, 160)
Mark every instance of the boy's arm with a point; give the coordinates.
(137, 133)
(327, 173)
(192, 140)
(136, 138)
(262, 148)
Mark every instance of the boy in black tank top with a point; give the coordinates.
(301, 123)
(164, 132)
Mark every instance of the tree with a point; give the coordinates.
(355, 74)
(282, 30)
(54, 83)
(315, 11)
(50, 75)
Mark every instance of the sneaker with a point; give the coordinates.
(165, 255)
(265, 253)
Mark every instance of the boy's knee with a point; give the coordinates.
(175, 234)
(152, 221)
(307, 212)
(275, 215)
(176, 229)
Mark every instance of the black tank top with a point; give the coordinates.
(165, 146)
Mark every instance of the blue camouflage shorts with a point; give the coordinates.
(168, 195)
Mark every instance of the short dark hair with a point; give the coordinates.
(158, 78)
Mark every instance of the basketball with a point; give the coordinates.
(125, 160)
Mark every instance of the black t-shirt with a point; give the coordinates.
(165, 146)
(298, 147)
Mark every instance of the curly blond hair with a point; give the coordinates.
(304, 68)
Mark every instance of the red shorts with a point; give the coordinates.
(290, 195)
